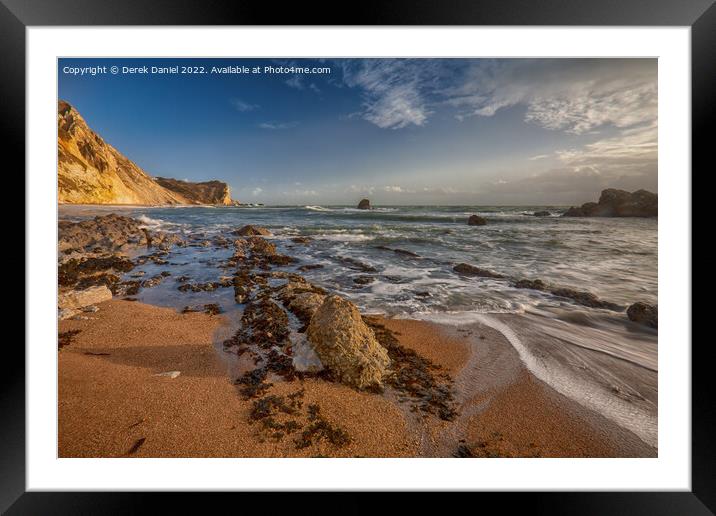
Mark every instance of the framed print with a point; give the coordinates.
(418, 253)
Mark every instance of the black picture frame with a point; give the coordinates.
(17, 15)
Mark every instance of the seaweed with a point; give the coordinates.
(137, 444)
(65, 338)
(253, 383)
(322, 429)
(416, 376)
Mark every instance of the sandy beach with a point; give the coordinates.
(118, 399)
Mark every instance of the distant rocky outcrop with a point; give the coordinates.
(476, 220)
(208, 192)
(346, 345)
(364, 204)
(543, 213)
(618, 203)
(91, 171)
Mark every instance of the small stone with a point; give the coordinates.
(170, 374)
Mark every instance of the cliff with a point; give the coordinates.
(91, 171)
(209, 192)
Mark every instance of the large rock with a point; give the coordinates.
(306, 304)
(644, 313)
(541, 213)
(476, 220)
(364, 204)
(346, 345)
(75, 299)
(618, 203)
(251, 230)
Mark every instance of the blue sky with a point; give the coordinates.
(415, 131)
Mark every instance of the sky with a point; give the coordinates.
(398, 131)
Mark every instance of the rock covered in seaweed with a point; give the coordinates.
(471, 270)
(346, 345)
(364, 204)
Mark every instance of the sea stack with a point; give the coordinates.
(364, 204)
(476, 220)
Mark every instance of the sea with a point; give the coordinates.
(402, 257)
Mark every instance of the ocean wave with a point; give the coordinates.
(150, 222)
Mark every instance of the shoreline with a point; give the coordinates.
(110, 398)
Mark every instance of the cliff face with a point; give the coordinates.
(209, 192)
(90, 171)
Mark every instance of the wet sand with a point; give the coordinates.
(111, 404)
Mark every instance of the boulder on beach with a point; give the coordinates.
(541, 213)
(618, 203)
(471, 270)
(251, 230)
(644, 313)
(476, 220)
(364, 204)
(346, 345)
(80, 298)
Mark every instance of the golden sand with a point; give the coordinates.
(113, 404)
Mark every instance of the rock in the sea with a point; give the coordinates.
(364, 204)
(585, 299)
(261, 247)
(536, 284)
(251, 230)
(476, 220)
(80, 298)
(618, 203)
(471, 270)
(542, 213)
(346, 345)
(644, 313)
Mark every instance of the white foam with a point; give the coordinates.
(567, 383)
(149, 222)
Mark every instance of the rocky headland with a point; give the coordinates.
(91, 171)
(618, 203)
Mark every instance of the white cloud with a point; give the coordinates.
(538, 156)
(299, 82)
(240, 105)
(574, 95)
(277, 125)
(394, 90)
(256, 191)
